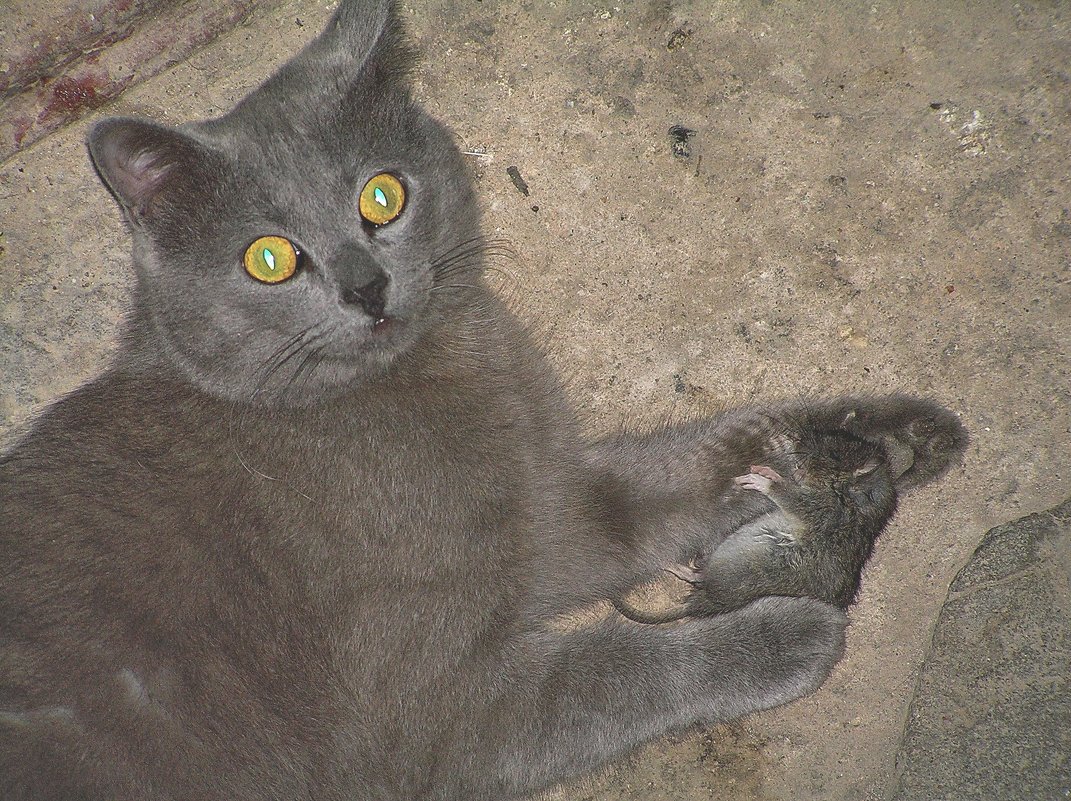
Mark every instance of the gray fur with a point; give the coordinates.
(279, 551)
(832, 487)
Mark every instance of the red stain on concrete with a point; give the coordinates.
(71, 95)
(80, 69)
(22, 125)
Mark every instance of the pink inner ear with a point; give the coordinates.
(137, 160)
(142, 175)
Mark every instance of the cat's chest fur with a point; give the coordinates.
(280, 543)
(318, 487)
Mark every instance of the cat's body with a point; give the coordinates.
(274, 581)
(207, 603)
(303, 539)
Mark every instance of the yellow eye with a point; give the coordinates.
(382, 199)
(271, 259)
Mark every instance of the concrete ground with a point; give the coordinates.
(871, 196)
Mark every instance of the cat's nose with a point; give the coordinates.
(371, 297)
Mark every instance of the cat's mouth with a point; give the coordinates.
(384, 335)
(384, 325)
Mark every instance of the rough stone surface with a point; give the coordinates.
(876, 196)
(992, 714)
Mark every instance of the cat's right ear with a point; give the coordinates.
(147, 167)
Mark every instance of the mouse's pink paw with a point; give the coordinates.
(760, 479)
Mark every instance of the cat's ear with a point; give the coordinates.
(369, 35)
(364, 41)
(148, 167)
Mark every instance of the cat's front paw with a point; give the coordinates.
(777, 649)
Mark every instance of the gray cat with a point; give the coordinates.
(304, 537)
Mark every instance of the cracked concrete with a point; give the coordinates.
(62, 58)
(875, 196)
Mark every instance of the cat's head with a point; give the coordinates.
(307, 239)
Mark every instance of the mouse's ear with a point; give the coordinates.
(871, 465)
(148, 167)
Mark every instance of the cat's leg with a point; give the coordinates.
(579, 699)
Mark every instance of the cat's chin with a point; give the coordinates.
(331, 380)
(340, 371)
(313, 377)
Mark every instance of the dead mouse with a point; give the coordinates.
(831, 494)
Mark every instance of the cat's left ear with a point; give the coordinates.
(365, 42)
(149, 168)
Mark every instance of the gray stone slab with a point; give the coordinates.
(991, 717)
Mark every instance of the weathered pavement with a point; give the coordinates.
(874, 197)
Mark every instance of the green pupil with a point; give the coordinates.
(381, 197)
(269, 258)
